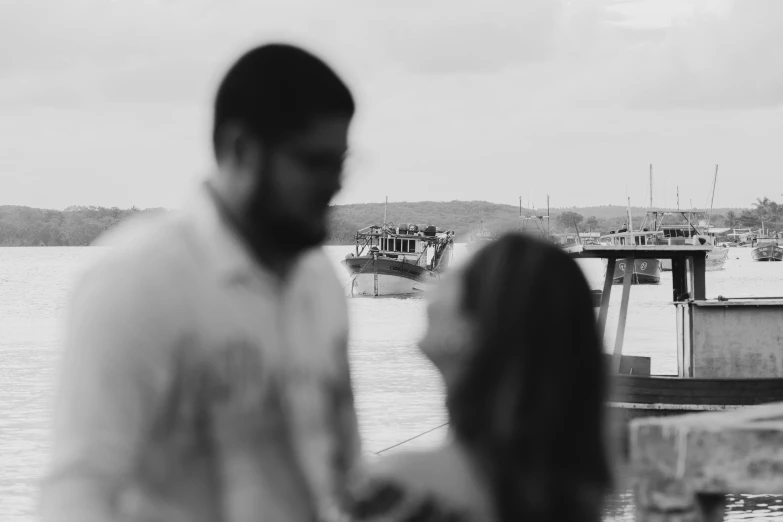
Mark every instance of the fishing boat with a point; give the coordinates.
(766, 248)
(643, 271)
(742, 237)
(691, 230)
(398, 259)
(728, 349)
(479, 239)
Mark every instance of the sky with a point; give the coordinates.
(109, 102)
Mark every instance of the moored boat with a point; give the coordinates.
(767, 249)
(691, 230)
(398, 260)
(643, 271)
(479, 239)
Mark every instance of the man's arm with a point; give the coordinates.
(111, 378)
(348, 457)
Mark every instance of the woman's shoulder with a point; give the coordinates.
(422, 485)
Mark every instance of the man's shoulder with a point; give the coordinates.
(315, 264)
(139, 253)
(142, 230)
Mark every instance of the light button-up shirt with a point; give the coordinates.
(198, 386)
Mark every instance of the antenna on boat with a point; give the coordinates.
(519, 222)
(712, 199)
(630, 225)
(548, 227)
(386, 204)
(678, 198)
(651, 188)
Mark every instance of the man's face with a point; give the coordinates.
(298, 180)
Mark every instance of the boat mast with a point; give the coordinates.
(519, 222)
(651, 188)
(630, 225)
(655, 216)
(386, 204)
(712, 199)
(548, 233)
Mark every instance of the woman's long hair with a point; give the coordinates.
(530, 403)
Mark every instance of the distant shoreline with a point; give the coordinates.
(81, 226)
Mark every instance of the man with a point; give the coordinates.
(205, 374)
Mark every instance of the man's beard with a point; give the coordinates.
(285, 232)
(294, 238)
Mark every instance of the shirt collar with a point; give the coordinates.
(227, 252)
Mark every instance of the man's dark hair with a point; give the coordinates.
(530, 405)
(276, 90)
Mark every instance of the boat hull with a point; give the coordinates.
(645, 272)
(633, 397)
(715, 261)
(384, 276)
(770, 252)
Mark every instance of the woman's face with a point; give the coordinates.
(450, 332)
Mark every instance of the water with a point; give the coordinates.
(398, 393)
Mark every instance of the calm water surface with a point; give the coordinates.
(398, 393)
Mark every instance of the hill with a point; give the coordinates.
(79, 226)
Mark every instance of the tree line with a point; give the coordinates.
(74, 226)
(82, 225)
(763, 212)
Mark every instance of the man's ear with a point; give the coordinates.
(239, 147)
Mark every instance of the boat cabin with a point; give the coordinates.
(422, 245)
(764, 241)
(742, 235)
(636, 238)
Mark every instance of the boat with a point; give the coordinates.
(569, 241)
(728, 349)
(643, 271)
(766, 248)
(742, 237)
(692, 230)
(398, 259)
(479, 239)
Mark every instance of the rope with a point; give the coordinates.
(360, 271)
(412, 438)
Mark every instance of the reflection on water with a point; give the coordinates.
(398, 393)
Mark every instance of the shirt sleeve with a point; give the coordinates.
(111, 380)
(349, 440)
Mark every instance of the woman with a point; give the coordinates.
(513, 334)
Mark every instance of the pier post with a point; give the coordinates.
(605, 296)
(683, 466)
(679, 278)
(699, 269)
(630, 262)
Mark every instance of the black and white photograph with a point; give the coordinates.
(357, 261)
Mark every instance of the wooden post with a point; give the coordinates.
(699, 268)
(375, 273)
(618, 341)
(607, 292)
(679, 278)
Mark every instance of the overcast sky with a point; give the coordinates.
(108, 102)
